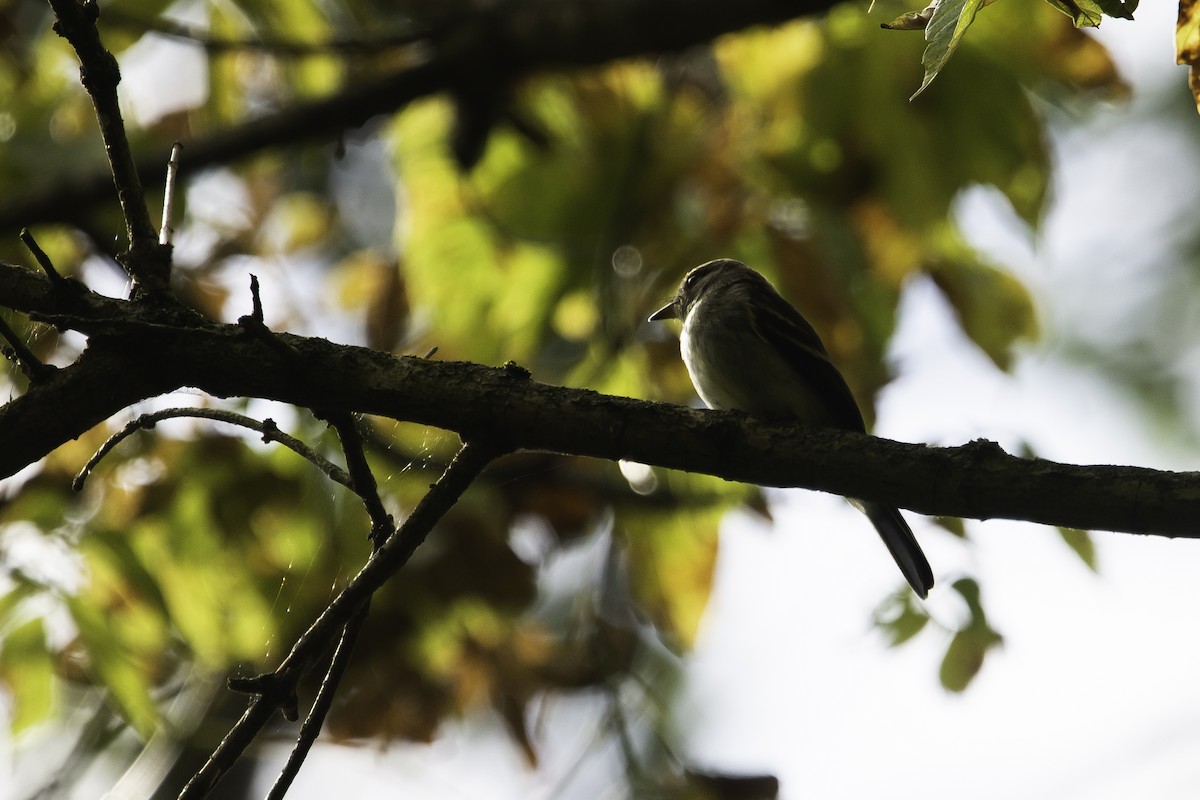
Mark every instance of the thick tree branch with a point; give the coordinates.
(134, 356)
(519, 38)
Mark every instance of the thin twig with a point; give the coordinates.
(256, 312)
(382, 527)
(98, 72)
(270, 433)
(364, 484)
(166, 231)
(29, 364)
(471, 459)
(385, 562)
(311, 728)
(43, 260)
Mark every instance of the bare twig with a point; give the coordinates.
(363, 479)
(29, 364)
(321, 705)
(270, 433)
(385, 562)
(166, 231)
(256, 309)
(381, 528)
(43, 260)
(145, 262)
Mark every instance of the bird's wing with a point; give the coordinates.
(790, 334)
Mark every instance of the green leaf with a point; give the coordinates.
(900, 617)
(1083, 545)
(964, 658)
(27, 672)
(946, 28)
(672, 557)
(1089, 13)
(993, 307)
(971, 644)
(955, 525)
(1121, 9)
(113, 667)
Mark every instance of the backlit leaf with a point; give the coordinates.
(671, 563)
(971, 643)
(945, 30)
(993, 307)
(27, 674)
(901, 617)
(111, 666)
(1084, 13)
(1082, 544)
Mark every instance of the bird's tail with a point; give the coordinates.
(902, 545)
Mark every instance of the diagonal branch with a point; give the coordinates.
(395, 552)
(147, 262)
(382, 527)
(26, 361)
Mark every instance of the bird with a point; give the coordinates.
(747, 348)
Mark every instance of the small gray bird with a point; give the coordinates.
(748, 348)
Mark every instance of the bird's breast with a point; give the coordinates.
(731, 366)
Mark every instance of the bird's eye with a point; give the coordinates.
(690, 281)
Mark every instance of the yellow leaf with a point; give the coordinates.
(1187, 43)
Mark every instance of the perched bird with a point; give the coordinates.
(747, 348)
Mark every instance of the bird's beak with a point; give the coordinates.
(666, 312)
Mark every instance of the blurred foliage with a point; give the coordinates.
(972, 641)
(795, 149)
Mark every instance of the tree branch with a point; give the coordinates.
(136, 353)
(523, 37)
(382, 527)
(385, 562)
(269, 430)
(147, 262)
(26, 361)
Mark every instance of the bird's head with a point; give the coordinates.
(710, 277)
